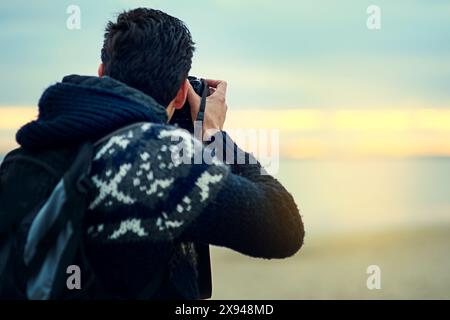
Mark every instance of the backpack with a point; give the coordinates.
(44, 196)
(43, 199)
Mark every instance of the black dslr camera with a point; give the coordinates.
(182, 117)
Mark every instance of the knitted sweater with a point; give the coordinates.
(152, 204)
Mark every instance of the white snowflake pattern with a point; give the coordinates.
(120, 141)
(204, 181)
(129, 225)
(110, 188)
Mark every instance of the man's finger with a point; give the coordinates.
(219, 85)
(211, 90)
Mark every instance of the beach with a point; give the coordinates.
(414, 264)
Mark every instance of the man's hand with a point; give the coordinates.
(216, 106)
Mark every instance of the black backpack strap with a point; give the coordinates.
(204, 270)
(74, 181)
(21, 196)
(201, 111)
(56, 232)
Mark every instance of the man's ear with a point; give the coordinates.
(181, 96)
(100, 70)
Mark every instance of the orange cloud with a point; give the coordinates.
(312, 133)
(15, 117)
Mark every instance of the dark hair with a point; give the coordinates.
(148, 50)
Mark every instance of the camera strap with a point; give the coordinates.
(201, 111)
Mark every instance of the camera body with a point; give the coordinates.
(182, 117)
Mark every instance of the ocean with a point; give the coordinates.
(372, 194)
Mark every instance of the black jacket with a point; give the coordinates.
(146, 206)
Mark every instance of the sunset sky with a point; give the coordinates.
(310, 69)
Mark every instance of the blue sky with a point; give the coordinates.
(289, 54)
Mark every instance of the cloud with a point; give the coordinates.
(344, 82)
(274, 54)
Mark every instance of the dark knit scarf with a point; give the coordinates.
(86, 108)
